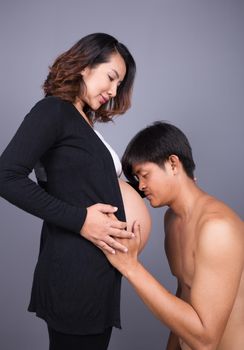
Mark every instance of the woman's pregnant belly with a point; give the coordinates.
(135, 209)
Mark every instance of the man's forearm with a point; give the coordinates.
(178, 315)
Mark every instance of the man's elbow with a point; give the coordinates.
(206, 342)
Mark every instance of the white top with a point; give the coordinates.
(117, 162)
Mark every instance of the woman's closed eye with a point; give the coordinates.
(110, 78)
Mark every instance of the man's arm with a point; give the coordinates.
(218, 268)
(173, 340)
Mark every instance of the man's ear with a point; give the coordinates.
(174, 163)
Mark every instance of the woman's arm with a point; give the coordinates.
(37, 134)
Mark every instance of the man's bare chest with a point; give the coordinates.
(180, 250)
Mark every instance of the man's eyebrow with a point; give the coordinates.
(135, 173)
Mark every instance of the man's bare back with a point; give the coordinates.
(182, 249)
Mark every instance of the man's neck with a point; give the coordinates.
(186, 199)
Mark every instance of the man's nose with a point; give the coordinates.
(142, 186)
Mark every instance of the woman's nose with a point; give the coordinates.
(113, 90)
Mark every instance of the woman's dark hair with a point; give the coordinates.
(156, 144)
(65, 81)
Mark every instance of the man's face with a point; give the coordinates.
(156, 182)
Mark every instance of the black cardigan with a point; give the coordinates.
(75, 289)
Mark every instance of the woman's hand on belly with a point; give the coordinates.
(101, 229)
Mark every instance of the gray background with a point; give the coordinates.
(190, 56)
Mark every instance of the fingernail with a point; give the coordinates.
(125, 250)
(113, 252)
(133, 235)
(115, 208)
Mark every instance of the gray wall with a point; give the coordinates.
(190, 56)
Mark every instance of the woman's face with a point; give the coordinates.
(102, 81)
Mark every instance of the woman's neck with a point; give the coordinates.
(79, 105)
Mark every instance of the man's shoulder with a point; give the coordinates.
(219, 225)
(216, 214)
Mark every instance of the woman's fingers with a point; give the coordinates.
(117, 224)
(105, 208)
(115, 244)
(111, 245)
(118, 228)
(120, 233)
(105, 248)
(101, 227)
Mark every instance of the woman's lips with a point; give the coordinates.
(103, 99)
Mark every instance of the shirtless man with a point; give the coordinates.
(204, 243)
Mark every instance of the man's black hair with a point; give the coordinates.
(156, 143)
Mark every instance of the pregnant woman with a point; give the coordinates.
(75, 289)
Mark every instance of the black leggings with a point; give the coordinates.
(61, 341)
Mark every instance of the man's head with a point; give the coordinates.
(158, 157)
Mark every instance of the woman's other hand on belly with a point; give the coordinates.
(101, 229)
